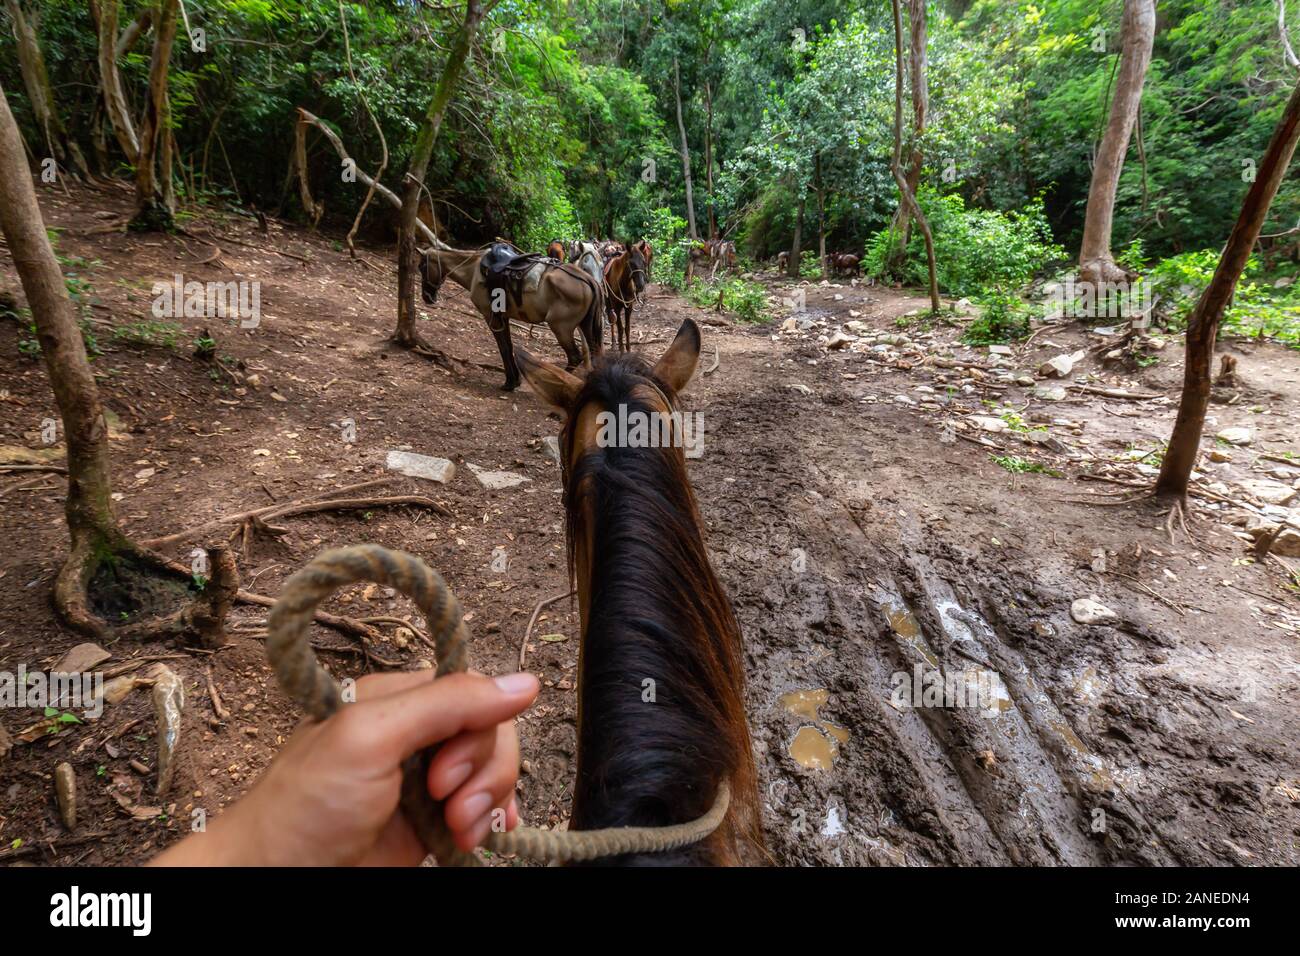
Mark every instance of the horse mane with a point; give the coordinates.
(657, 611)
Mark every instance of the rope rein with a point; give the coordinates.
(308, 683)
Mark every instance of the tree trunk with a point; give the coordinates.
(686, 154)
(821, 212)
(896, 166)
(152, 213)
(31, 63)
(110, 81)
(1203, 324)
(796, 247)
(97, 540)
(407, 262)
(1096, 264)
(708, 158)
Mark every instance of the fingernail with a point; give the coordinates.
(515, 683)
(457, 775)
(477, 805)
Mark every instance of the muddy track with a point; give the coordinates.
(844, 590)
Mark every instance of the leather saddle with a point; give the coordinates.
(504, 267)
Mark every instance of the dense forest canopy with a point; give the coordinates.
(565, 120)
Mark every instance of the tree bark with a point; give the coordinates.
(1203, 324)
(796, 247)
(97, 540)
(152, 212)
(686, 153)
(708, 158)
(110, 82)
(381, 190)
(821, 211)
(1096, 264)
(896, 166)
(31, 63)
(407, 263)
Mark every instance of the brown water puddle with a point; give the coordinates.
(813, 747)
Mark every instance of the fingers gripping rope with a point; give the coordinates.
(302, 677)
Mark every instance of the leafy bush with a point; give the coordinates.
(1004, 317)
(666, 231)
(1259, 307)
(977, 251)
(742, 298)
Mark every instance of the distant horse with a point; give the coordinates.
(653, 615)
(845, 264)
(560, 296)
(555, 250)
(782, 261)
(586, 256)
(698, 255)
(647, 253)
(624, 280)
(610, 249)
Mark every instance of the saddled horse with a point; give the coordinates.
(716, 253)
(560, 296)
(555, 250)
(586, 256)
(625, 279)
(609, 249)
(654, 619)
(648, 254)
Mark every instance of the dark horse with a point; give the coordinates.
(625, 279)
(661, 707)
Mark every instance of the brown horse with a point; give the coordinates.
(564, 298)
(661, 712)
(647, 253)
(555, 250)
(625, 278)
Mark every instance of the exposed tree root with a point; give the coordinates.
(532, 621)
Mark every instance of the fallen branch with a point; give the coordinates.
(259, 512)
(1118, 393)
(545, 602)
(389, 196)
(717, 360)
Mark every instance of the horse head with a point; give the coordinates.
(431, 277)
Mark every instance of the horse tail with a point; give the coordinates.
(593, 322)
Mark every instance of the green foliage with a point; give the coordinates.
(1260, 308)
(1023, 466)
(1004, 317)
(977, 251)
(743, 298)
(148, 334)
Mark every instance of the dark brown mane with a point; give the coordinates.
(659, 613)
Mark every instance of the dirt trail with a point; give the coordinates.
(857, 543)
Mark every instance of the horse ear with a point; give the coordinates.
(677, 365)
(553, 385)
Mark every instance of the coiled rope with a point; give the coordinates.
(303, 679)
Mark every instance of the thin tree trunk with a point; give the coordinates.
(796, 247)
(708, 157)
(1096, 264)
(686, 153)
(918, 65)
(97, 539)
(110, 82)
(152, 213)
(407, 264)
(309, 205)
(896, 166)
(31, 63)
(1203, 324)
(821, 212)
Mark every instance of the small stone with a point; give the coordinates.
(1090, 610)
(497, 480)
(421, 466)
(839, 341)
(1050, 393)
(1236, 436)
